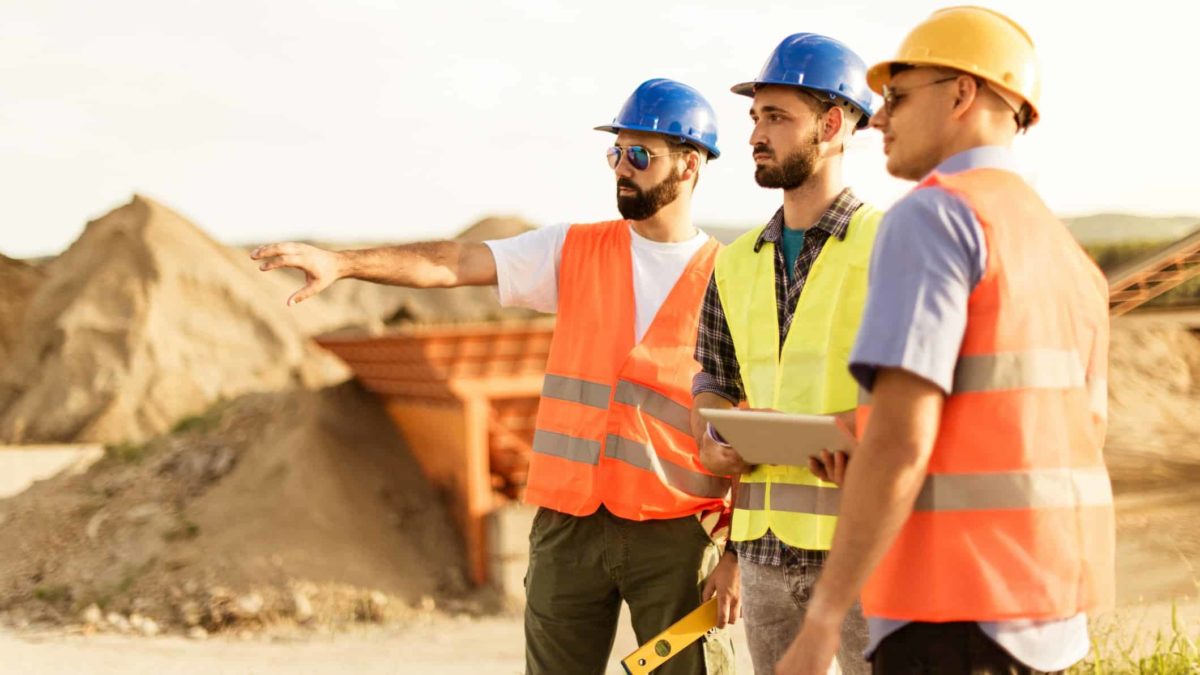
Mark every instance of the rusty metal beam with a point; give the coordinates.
(1143, 280)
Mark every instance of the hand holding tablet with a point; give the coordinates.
(762, 437)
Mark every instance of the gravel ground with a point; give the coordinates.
(440, 647)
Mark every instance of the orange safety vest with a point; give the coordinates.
(1015, 518)
(613, 424)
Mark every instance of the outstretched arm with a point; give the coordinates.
(433, 264)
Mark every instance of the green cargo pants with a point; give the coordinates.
(581, 568)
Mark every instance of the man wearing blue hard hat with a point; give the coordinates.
(779, 318)
(627, 513)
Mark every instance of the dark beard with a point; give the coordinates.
(644, 204)
(792, 172)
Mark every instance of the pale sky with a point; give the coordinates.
(382, 120)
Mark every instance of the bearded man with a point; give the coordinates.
(627, 513)
(779, 319)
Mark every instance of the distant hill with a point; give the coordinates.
(1111, 228)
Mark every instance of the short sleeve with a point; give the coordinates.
(527, 268)
(929, 255)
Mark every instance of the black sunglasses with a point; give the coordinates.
(893, 96)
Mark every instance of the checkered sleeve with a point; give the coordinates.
(719, 373)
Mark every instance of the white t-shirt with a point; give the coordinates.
(527, 270)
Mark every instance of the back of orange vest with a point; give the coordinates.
(1015, 518)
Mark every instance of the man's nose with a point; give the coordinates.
(757, 137)
(624, 168)
(880, 119)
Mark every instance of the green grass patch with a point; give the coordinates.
(192, 423)
(186, 530)
(202, 423)
(125, 452)
(53, 593)
(1171, 652)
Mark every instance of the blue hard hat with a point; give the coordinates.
(670, 108)
(819, 64)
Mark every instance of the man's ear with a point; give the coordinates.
(966, 93)
(692, 161)
(833, 120)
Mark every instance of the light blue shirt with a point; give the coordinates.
(929, 255)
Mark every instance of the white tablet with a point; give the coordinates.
(763, 437)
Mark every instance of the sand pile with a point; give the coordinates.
(495, 227)
(1154, 399)
(144, 320)
(18, 281)
(382, 307)
(276, 495)
(297, 506)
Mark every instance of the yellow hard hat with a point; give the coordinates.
(975, 40)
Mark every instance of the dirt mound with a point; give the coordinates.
(455, 305)
(1154, 400)
(288, 506)
(144, 320)
(380, 308)
(19, 280)
(1153, 455)
(495, 227)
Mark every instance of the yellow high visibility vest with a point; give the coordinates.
(811, 375)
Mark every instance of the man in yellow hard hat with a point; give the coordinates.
(976, 517)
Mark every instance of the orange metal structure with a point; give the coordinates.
(465, 399)
(1143, 280)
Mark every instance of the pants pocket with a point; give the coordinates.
(719, 656)
(700, 530)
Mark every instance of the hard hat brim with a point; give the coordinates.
(744, 89)
(712, 151)
(747, 89)
(881, 73)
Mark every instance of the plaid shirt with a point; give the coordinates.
(719, 373)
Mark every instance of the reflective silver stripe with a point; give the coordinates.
(1034, 369)
(655, 405)
(812, 499)
(643, 457)
(576, 390)
(1036, 489)
(1098, 395)
(751, 496)
(576, 449)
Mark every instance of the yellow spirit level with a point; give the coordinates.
(671, 641)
